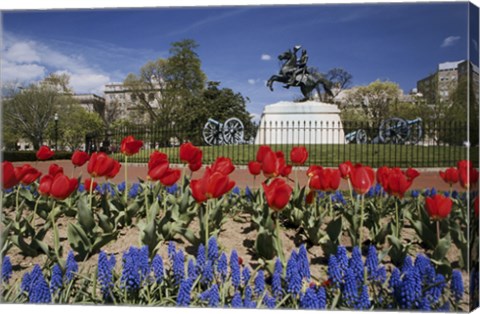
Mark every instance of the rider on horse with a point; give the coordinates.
(301, 70)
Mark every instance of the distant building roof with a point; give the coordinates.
(449, 65)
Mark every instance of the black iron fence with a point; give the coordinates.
(392, 143)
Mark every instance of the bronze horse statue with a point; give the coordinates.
(291, 75)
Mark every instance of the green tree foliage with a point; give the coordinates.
(31, 110)
(74, 124)
(217, 103)
(375, 99)
(175, 95)
(29, 115)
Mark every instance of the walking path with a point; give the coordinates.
(428, 177)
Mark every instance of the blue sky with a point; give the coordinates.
(238, 44)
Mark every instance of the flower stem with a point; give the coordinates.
(397, 219)
(277, 236)
(145, 192)
(350, 189)
(207, 214)
(361, 220)
(91, 190)
(438, 231)
(126, 180)
(16, 202)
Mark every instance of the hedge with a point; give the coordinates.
(29, 155)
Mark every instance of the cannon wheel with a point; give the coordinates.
(394, 131)
(233, 131)
(416, 134)
(212, 134)
(361, 136)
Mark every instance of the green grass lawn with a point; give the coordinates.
(330, 155)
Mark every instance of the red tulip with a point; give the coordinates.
(158, 171)
(115, 170)
(397, 183)
(223, 165)
(189, 153)
(54, 169)
(278, 194)
(170, 177)
(312, 170)
(45, 153)
(9, 179)
(467, 174)
(27, 174)
(326, 180)
(345, 169)
(412, 173)
(100, 165)
(195, 165)
(310, 197)
(438, 206)
(262, 151)
(130, 146)
(298, 155)
(362, 178)
(450, 175)
(464, 164)
(63, 186)
(211, 185)
(254, 167)
(45, 185)
(79, 158)
(382, 175)
(286, 170)
(269, 164)
(156, 158)
(88, 182)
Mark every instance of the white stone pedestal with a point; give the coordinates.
(310, 122)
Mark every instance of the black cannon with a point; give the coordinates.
(391, 131)
(230, 132)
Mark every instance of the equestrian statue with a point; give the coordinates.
(294, 72)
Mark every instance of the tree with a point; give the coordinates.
(31, 109)
(340, 80)
(164, 85)
(217, 103)
(375, 99)
(74, 124)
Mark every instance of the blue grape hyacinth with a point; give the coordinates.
(6, 269)
(71, 267)
(105, 275)
(212, 249)
(237, 300)
(184, 292)
(235, 269)
(456, 285)
(293, 278)
(277, 290)
(56, 281)
(40, 292)
(222, 267)
(158, 268)
(302, 263)
(259, 282)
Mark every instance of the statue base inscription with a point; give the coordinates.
(309, 122)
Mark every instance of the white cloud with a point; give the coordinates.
(21, 72)
(266, 57)
(28, 60)
(450, 41)
(252, 81)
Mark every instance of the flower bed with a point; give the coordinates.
(399, 239)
